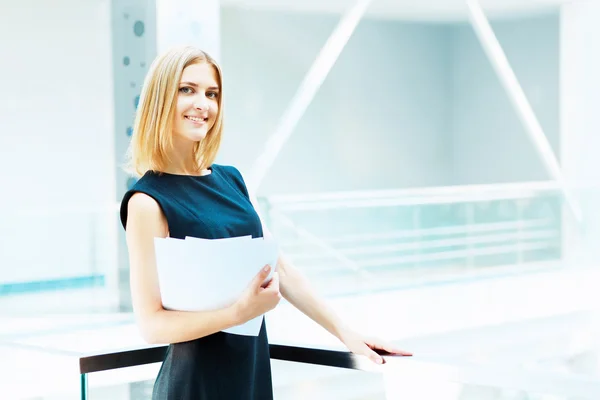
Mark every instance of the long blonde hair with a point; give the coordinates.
(152, 137)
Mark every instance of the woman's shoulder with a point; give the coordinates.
(234, 176)
(141, 197)
(143, 201)
(230, 170)
(223, 167)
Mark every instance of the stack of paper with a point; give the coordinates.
(202, 274)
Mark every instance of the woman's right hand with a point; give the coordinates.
(257, 300)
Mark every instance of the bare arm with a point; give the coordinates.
(296, 289)
(145, 221)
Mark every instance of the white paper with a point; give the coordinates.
(204, 274)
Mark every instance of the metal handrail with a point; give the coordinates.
(435, 194)
(140, 356)
(565, 384)
(377, 249)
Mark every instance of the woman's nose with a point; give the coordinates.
(201, 105)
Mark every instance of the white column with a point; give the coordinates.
(133, 49)
(580, 127)
(141, 29)
(188, 22)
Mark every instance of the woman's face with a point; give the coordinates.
(197, 102)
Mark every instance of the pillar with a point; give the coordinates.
(142, 29)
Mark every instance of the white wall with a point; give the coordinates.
(490, 144)
(55, 135)
(380, 120)
(406, 104)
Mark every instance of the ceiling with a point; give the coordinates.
(434, 10)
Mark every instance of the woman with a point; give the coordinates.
(181, 193)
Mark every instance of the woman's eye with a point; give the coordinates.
(212, 95)
(186, 90)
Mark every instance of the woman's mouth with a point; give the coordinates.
(196, 120)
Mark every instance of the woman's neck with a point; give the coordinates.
(183, 160)
(186, 170)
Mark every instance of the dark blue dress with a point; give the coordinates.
(222, 365)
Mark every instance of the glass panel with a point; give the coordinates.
(553, 356)
(296, 381)
(133, 383)
(365, 241)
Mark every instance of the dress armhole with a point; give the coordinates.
(125, 203)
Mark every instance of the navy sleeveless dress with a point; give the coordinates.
(220, 366)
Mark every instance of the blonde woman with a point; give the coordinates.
(181, 193)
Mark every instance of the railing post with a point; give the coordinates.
(84, 386)
(520, 207)
(470, 220)
(416, 220)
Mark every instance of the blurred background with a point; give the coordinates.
(432, 166)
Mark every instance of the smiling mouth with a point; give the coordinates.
(196, 120)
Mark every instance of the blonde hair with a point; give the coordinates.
(151, 140)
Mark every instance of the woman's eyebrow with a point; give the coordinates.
(195, 85)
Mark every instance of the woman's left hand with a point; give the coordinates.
(366, 346)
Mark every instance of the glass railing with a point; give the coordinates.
(362, 241)
(383, 239)
(113, 363)
(62, 251)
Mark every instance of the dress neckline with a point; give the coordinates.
(205, 176)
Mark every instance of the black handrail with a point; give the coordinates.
(572, 385)
(133, 357)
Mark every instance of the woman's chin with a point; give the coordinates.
(196, 136)
(192, 135)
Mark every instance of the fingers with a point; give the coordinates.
(274, 282)
(385, 347)
(394, 351)
(376, 358)
(390, 348)
(364, 349)
(261, 276)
